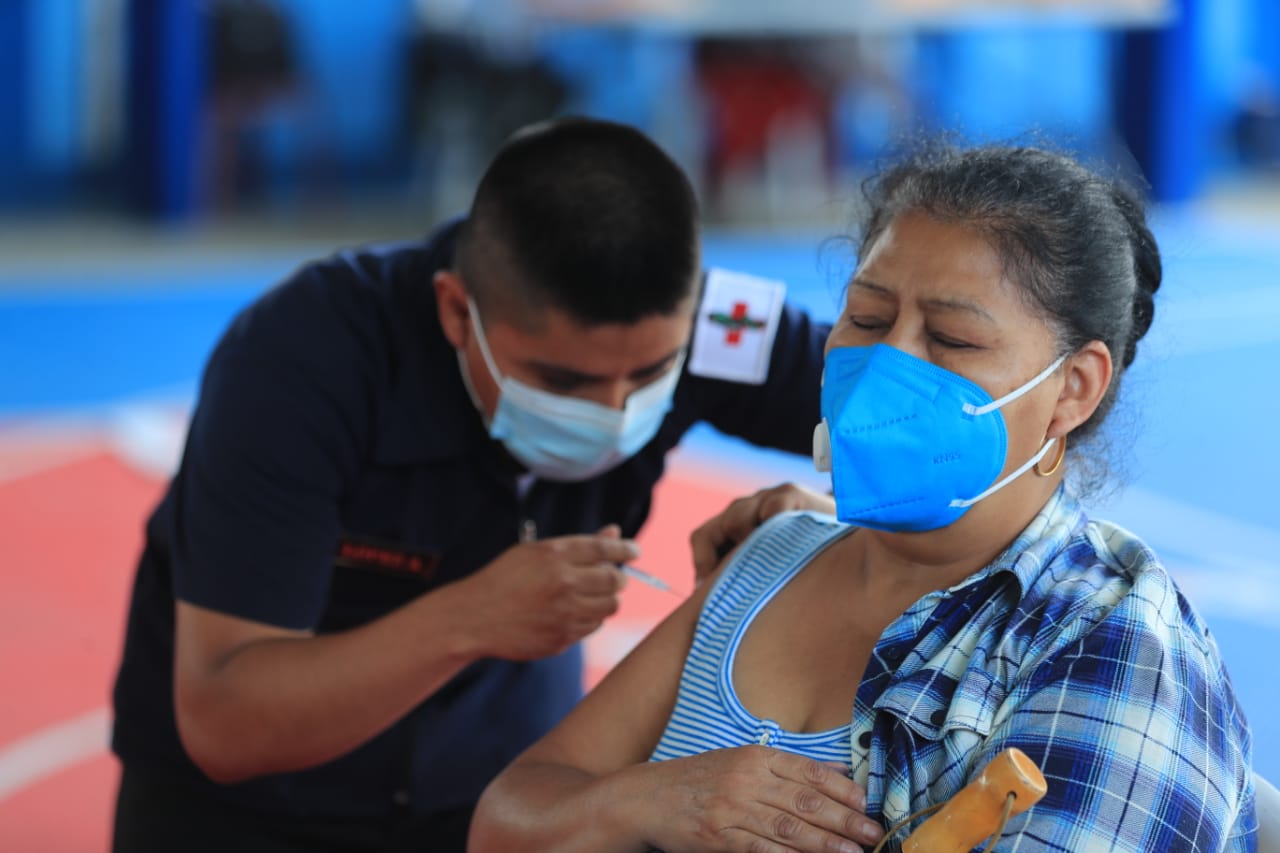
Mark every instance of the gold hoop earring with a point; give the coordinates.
(1057, 462)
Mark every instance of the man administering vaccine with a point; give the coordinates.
(409, 484)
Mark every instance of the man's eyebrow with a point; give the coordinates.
(656, 366)
(943, 303)
(570, 375)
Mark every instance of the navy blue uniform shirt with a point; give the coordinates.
(335, 469)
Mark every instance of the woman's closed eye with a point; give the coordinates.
(950, 342)
(867, 324)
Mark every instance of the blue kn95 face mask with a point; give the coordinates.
(910, 445)
(565, 438)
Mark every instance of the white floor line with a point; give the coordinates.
(1192, 324)
(146, 432)
(150, 438)
(40, 461)
(1226, 566)
(53, 749)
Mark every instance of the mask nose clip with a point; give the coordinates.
(822, 447)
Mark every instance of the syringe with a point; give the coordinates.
(648, 579)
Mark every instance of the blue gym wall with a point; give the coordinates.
(988, 80)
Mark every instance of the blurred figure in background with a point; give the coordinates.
(253, 66)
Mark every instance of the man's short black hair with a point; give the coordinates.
(587, 216)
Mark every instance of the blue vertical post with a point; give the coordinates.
(14, 105)
(167, 72)
(1266, 35)
(1160, 104)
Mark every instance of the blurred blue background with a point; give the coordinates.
(164, 161)
(182, 109)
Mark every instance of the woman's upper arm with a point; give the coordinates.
(1140, 742)
(620, 721)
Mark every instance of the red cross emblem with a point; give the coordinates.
(735, 323)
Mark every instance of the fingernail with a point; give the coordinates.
(871, 832)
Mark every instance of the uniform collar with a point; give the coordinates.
(428, 415)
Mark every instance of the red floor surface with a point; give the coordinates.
(70, 535)
(70, 532)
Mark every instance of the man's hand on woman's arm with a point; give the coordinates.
(719, 535)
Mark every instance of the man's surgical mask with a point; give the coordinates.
(910, 445)
(565, 438)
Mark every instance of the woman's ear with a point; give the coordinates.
(453, 307)
(1088, 375)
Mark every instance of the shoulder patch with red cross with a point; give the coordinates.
(735, 327)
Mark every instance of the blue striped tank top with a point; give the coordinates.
(708, 714)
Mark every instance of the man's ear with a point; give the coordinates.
(453, 307)
(1088, 375)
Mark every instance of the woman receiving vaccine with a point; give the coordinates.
(843, 671)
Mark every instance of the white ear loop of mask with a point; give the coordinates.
(971, 409)
(470, 386)
(483, 343)
(1022, 469)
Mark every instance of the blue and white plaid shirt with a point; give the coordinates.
(1075, 646)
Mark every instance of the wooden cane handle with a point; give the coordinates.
(974, 813)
